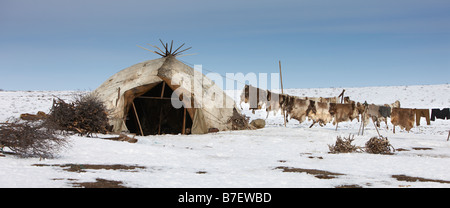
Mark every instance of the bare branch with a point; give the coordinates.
(178, 48)
(155, 47)
(149, 50)
(182, 51)
(191, 54)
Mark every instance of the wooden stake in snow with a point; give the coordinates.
(448, 135)
(376, 128)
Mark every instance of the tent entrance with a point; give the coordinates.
(152, 113)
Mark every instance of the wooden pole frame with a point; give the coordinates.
(191, 111)
(362, 126)
(362, 122)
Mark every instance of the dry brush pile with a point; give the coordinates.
(375, 145)
(85, 116)
(379, 145)
(44, 135)
(31, 138)
(239, 122)
(343, 145)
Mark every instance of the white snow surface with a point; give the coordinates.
(247, 158)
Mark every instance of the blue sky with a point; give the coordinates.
(77, 45)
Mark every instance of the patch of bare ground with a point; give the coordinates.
(433, 156)
(62, 179)
(415, 179)
(83, 167)
(123, 138)
(422, 148)
(310, 156)
(321, 174)
(349, 186)
(100, 183)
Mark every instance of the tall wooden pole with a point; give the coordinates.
(362, 123)
(342, 101)
(160, 111)
(282, 93)
(137, 118)
(183, 127)
(376, 128)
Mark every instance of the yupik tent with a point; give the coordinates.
(166, 96)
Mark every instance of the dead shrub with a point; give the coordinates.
(343, 145)
(91, 115)
(86, 115)
(30, 139)
(379, 145)
(62, 115)
(239, 122)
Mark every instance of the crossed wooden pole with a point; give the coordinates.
(362, 122)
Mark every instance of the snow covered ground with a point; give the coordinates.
(247, 158)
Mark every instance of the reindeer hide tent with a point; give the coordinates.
(139, 99)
